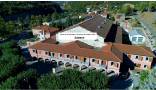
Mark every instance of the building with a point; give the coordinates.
(137, 36)
(98, 24)
(76, 53)
(43, 31)
(113, 57)
(142, 57)
(106, 52)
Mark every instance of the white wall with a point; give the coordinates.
(79, 29)
(141, 60)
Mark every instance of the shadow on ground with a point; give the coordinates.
(116, 82)
(41, 67)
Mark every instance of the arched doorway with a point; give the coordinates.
(60, 63)
(83, 67)
(34, 58)
(76, 66)
(40, 59)
(68, 64)
(92, 68)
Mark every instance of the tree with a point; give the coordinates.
(11, 62)
(10, 28)
(152, 6)
(55, 16)
(35, 20)
(127, 9)
(49, 81)
(141, 6)
(143, 76)
(73, 79)
(24, 80)
(146, 80)
(95, 80)
(2, 28)
(7, 28)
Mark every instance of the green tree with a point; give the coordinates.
(95, 80)
(141, 6)
(24, 80)
(35, 20)
(11, 62)
(55, 16)
(2, 28)
(10, 27)
(49, 81)
(152, 6)
(74, 79)
(127, 9)
(143, 76)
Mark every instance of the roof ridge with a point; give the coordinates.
(148, 51)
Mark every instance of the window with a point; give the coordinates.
(46, 53)
(140, 39)
(102, 62)
(67, 56)
(146, 58)
(145, 66)
(93, 60)
(60, 55)
(75, 57)
(117, 65)
(34, 50)
(84, 59)
(53, 54)
(112, 63)
(134, 38)
(97, 61)
(136, 57)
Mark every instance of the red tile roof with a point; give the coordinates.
(76, 48)
(130, 49)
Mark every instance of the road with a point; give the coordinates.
(23, 35)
